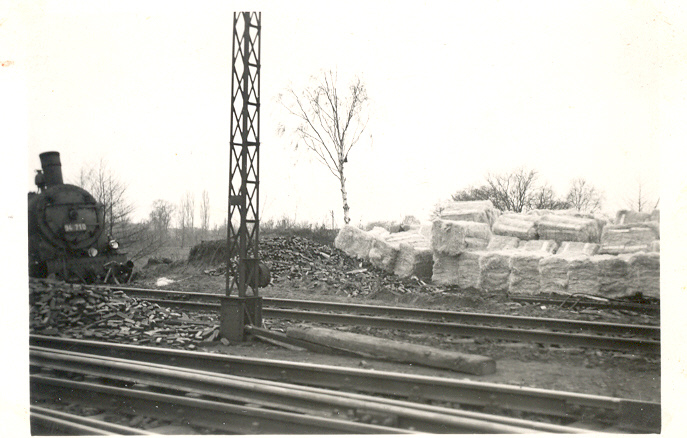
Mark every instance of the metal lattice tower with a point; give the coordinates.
(244, 156)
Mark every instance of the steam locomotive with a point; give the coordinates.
(67, 236)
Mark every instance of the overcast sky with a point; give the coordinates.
(458, 89)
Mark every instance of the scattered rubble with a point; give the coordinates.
(87, 312)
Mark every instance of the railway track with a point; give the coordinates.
(206, 399)
(273, 396)
(573, 301)
(622, 337)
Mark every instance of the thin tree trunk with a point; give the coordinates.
(344, 195)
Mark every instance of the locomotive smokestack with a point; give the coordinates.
(52, 168)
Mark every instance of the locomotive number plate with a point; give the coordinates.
(74, 227)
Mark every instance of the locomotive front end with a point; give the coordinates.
(67, 230)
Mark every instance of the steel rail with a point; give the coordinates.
(59, 417)
(65, 427)
(414, 387)
(649, 331)
(503, 333)
(225, 417)
(573, 301)
(281, 396)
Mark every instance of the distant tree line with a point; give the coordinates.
(520, 190)
(167, 224)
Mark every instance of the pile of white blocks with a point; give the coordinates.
(472, 245)
(405, 254)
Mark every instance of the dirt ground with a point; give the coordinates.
(579, 370)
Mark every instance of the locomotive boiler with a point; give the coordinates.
(67, 235)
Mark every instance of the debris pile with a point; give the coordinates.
(86, 312)
(297, 258)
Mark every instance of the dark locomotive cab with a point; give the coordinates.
(66, 231)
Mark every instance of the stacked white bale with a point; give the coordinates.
(656, 216)
(655, 246)
(414, 257)
(644, 273)
(553, 272)
(572, 248)
(624, 239)
(410, 237)
(379, 232)
(426, 230)
(414, 260)
(502, 242)
(385, 250)
(547, 246)
(583, 275)
(568, 228)
(494, 269)
(612, 275)
(354, 241)
(471, 211)
(460, 270)
(525, 278)
(455, 237)
(631, 217)
(383, 254)
(522, 226)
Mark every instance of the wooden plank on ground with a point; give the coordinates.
(396, 351)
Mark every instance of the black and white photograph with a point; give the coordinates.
(362, 217)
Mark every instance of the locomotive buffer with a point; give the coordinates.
(244, 270)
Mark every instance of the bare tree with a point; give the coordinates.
(545, 198)
(512, 191)
(473, 193)
(110, 191)
(185, 217)
(583, 196)
(643, 199)
(160, 219)
(204, 214)
(329, 123)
